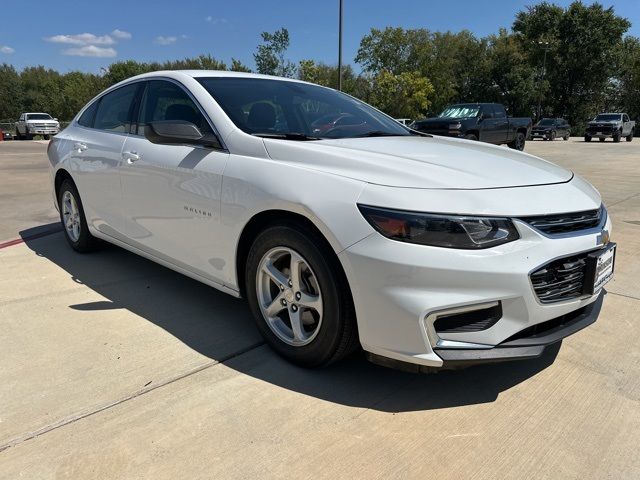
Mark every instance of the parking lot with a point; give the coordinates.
(115, 367)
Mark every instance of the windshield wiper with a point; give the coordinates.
(380, 133)
(287, 136)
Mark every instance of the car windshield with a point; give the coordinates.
(38, 116)
(297, 111)
(608, 117)
(460, 111)
(546, 122)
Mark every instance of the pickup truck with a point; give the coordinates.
(487, 122)
(614, 125)
(30, 124)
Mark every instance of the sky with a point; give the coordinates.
(87, 35)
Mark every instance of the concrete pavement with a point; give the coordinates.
(115, 367)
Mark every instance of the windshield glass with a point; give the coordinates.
(546, 122)
(460, 111)
(38, 116)
(607, 117)
(281, 108)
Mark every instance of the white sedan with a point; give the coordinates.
(424, 251)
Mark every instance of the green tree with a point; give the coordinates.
(627, 86)
(10, 93)
(238, 66)
(584, 44)
(270, 55)
(406, 95)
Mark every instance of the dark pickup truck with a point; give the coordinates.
(487, 122)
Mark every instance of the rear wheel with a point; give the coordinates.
(518, 142)
(629, 137)
(299, 296)
(73, 219)
(18, 134)
(587, 138)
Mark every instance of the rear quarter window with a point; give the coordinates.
(87, 117)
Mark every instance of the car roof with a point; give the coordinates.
(211, 73)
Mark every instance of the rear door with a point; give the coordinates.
(501, 130)
(96, 154)
(172, 192)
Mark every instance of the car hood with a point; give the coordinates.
(420, 162)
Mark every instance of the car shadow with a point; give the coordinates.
(221, 328)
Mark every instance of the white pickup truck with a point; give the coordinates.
(30, 124)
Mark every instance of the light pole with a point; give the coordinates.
(545, 46)
(340, 48)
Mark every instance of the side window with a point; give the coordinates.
(165, 100)
(86, 119)
(625, 118)
(114, 109)
(499, 111)
(487, 111)
(22, 118)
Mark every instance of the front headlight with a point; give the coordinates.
(448, 231)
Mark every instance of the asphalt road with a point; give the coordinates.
(115, 367)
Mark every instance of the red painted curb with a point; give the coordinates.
(18, 241)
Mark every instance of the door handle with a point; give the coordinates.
(131, 157)
(80, 147)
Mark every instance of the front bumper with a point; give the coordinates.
(605, 132)
(397, 287)
(540, 134)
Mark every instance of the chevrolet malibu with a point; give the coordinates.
(424, 251)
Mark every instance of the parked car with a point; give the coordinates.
(424, 250)
(487, 122)
(550, 129)
(30, 124)
(6, 135)
(610, 125)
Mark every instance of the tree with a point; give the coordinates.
(10, 93)
(270, 55)
(406, 95)
(584, 44)
(627, 92)
(238, 66)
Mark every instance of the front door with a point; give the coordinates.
(171, 193)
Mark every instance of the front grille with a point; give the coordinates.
(561, 279)
(566, 222)
(600, 128)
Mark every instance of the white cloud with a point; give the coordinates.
(90, 51)
(160, 40)
(121, 34)
(215, 21)
(6, 49)
(82, 39)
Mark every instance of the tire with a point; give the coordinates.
(566, 137)
(602, 139)
(471, 136)
(83, 241)
(326, 336)
(552, 137)
(587, 138)
(18, 134)
(629, 137)
(616, 137)
(46, 137)
(518, 142)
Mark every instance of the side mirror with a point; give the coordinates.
(178, 132)
(55, 119)
(481, 117)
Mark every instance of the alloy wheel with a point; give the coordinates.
(71, 216)
(289, 296)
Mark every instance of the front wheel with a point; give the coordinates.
(602, 139)
(616, 137)
(471, 136)
(299, 296)
(518, 142)
(566, 137)
(587, 138)
(73, 219)
(552, 136)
